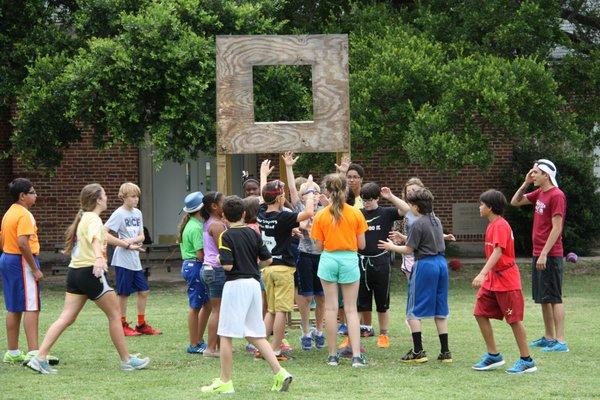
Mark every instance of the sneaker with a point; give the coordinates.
(146, 329)
(319, 340)
(383, 341)
(559, 347)
(135, 363)
(411, 356)
(366, 331)
(218, 386)
(333, 360)
(359, 361)
(343, 329)
(128, 331)
(345, 343)
(285, 346)
(445, 357)
(346, 352)
(197, 349)
(542, 342)
(41, 366)
(51, 359)
(283, 356)
(250, 348)
(488, 362)
(522, 366)
(282, 381)
(306, 342)
(8, 358)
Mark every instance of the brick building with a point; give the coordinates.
(164, 189)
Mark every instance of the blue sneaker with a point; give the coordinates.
(197, 349)
(306, 342)
(559, 347)
(488, 362)
(319, 339)
(41, 366)
(135, 363)
(343, 329)
(542, 342)
(522, 366)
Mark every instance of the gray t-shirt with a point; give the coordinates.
(307, 244)
(127, 224)
(426, 236)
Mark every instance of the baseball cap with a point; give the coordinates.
(548, 167)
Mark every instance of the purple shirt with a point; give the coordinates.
(211, 249)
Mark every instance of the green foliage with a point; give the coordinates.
(576, 179)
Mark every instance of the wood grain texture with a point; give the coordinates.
(238, 133)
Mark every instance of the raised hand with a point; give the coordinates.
(386, 192)
(344, 165)
(288, 158)
(265, 168)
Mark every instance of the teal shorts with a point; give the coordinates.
(339, 266)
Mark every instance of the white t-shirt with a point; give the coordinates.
(127, 224)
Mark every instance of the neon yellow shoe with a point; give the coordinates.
(281, 381)
(8, 358)
(218, 386)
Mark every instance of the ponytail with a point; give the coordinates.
(88, 199)
(181, 226)
(336, 186)
(71, 233)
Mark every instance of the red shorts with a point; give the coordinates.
(500, 305)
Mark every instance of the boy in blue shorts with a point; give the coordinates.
(428, 282)
(241, 305)
(127, 223)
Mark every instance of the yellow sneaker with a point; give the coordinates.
(218, 386)
(383, 341)
(345, 342)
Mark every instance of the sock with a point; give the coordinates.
(318, 333)
(123, 320)
(307, 335)
(494, 355)
(417, 342)
(14, 353)
(444, 342)
(141, 320)
(528, 358)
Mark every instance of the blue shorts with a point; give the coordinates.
(339, 266)
(197, 292)
(128, 281)
(428, 289)
(214, 280)
(309, 283)
(21, 290)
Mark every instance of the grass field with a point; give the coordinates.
(89, 367)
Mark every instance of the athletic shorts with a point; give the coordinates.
(241, 310)
(129, 281)
(82, 281)
(375, 278)
(279, 285)
(309, 283)
(339, 266)
(21, 290)
(508, 305)
(428, 289)
(197, 292)
(546, 284)
(213, 279)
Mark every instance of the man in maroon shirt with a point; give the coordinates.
(547, 270)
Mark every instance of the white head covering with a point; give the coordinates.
(548, 167)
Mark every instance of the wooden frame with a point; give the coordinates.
(238, 133)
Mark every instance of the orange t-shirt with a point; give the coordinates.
(340, 235)
(18, 221)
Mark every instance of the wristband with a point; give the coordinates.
(128, 245)
(310, 191)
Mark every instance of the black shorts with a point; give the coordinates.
(546, 284)
(309, 283)
(375, 278)
(83, 282)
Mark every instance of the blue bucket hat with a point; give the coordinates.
(193, 202)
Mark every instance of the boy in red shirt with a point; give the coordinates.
(550, 206)
(499, 282)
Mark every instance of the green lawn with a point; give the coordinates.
(89, 365)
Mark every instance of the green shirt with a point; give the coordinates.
(192, 239)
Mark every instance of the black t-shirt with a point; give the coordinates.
(380, 221)
(276, 228)
(240, 246)
(426, 236)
